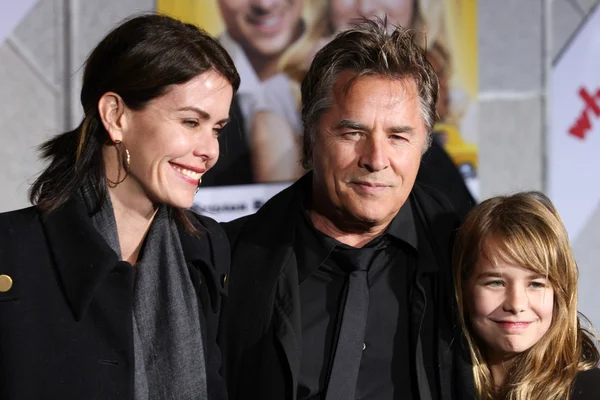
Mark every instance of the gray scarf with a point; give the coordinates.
(167, 339)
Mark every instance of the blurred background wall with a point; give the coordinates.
(40, 73)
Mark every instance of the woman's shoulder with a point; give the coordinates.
(207, 225)
(210, 232)
(587, 385)
(18, 219)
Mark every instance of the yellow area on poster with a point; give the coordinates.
(462, 18)
(203, 13)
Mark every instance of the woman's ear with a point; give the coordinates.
(111, 110)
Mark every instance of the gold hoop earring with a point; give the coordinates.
(127, 160)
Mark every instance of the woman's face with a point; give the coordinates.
(344, 12)
(509, 307)
(173, 140)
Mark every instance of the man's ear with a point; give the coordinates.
(111, 110)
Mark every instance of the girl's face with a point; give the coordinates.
(510, 307)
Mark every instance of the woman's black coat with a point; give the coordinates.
(66, 322)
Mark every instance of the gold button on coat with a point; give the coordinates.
(5, 283)
(224, 280)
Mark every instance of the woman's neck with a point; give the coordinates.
(134, 213)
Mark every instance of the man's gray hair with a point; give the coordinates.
(367, 49)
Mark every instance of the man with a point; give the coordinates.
(437, 168)
(341, 284)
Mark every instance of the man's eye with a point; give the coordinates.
(398, 137)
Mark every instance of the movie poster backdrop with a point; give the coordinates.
(272, 44)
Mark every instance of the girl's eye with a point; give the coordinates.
(495, 283)
(538, 285)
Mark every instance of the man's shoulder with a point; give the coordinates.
(432, 198)
(233, 228)
(436, 213)
(269, 220)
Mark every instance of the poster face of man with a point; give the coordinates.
(343, 12)
(264, 28)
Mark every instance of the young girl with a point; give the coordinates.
(516, 288)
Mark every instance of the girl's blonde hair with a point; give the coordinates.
(527, 231)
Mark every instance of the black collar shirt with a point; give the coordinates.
(386, 369)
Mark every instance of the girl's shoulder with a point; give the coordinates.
(587, 385)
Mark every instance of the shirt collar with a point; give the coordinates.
(314, 247)
(403, 226)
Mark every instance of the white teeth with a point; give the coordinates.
(271, 21)
(187, 172)
(268, 22)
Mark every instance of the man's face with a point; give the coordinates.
(368, 147)
(343, 12)
(262, 27)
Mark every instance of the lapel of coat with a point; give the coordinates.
(438, 224)
(267, 246)
(83, 258)
(208, 252)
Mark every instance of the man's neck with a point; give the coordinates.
(352, 233)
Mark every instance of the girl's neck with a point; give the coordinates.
(499, 365)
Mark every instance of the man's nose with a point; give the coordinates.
(374, 154)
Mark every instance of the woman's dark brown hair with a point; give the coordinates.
(139, 60)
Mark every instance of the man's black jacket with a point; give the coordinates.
(261, 328)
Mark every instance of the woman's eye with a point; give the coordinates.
(192, 123)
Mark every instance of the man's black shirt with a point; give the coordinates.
(387, 365)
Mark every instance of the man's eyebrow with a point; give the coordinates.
(401, 129)
(349, 124)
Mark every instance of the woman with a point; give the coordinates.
(111, 289)
(516, 287)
